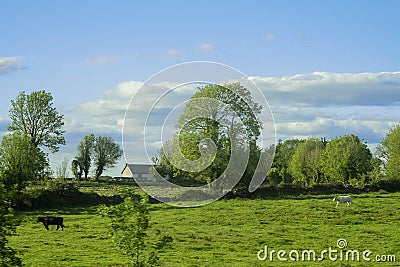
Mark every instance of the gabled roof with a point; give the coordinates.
(138, 168)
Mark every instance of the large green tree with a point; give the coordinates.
(218, 120)
(304, 164)
(106, 154)
(389, 150)
(34, 115)
(346, 159)
(21, 161)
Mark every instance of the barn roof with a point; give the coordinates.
(138, 168)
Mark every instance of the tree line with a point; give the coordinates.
(343, 160)
(36, 125)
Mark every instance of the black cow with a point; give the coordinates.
(51, 220)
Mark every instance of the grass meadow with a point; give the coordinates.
(227, 233)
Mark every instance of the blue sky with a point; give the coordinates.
(328, 68)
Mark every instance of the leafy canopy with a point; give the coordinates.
(346, 158)
(20, 161)
(34, 116)
(217, 121)
(106, 154)
(304, 164)
(389, 150)
(8, 225)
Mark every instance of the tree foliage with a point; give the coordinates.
(129, 229)
(20, 161)
(304, 163)
(85, 151)
(34, 116)
(283, 153)
(8, 225)
(215, 117)
(76, 169)
(389, 150)
(106, 154)
(346, 158)
(102, 151)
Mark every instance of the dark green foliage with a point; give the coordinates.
(83, 159)
(59, 194)
(77, 169)
(106, 153)
(100, 150)
(8, 225)
(283, 153)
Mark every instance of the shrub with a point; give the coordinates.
(129, 226)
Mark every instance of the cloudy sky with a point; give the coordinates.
(327, 68)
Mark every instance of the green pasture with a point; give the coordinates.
(226, 233)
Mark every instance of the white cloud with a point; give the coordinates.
(9, 64)
(3, 126)
(100, 60)
(333, 104)
(105, 114)
(173, 53)
(316, 104)
(206, 47)
(368, 122)
(332, 89)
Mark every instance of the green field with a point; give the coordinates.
(227, 233)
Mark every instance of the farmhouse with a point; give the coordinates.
(137, 171)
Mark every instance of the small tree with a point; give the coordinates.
(129, 225)
(62, 169)
(20, 161)
(106, 154)
(76, 168)
(85, 150)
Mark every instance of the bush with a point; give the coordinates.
(129, 227)
(58, 193)
(8, 224)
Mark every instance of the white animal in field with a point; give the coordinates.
(343, 199)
